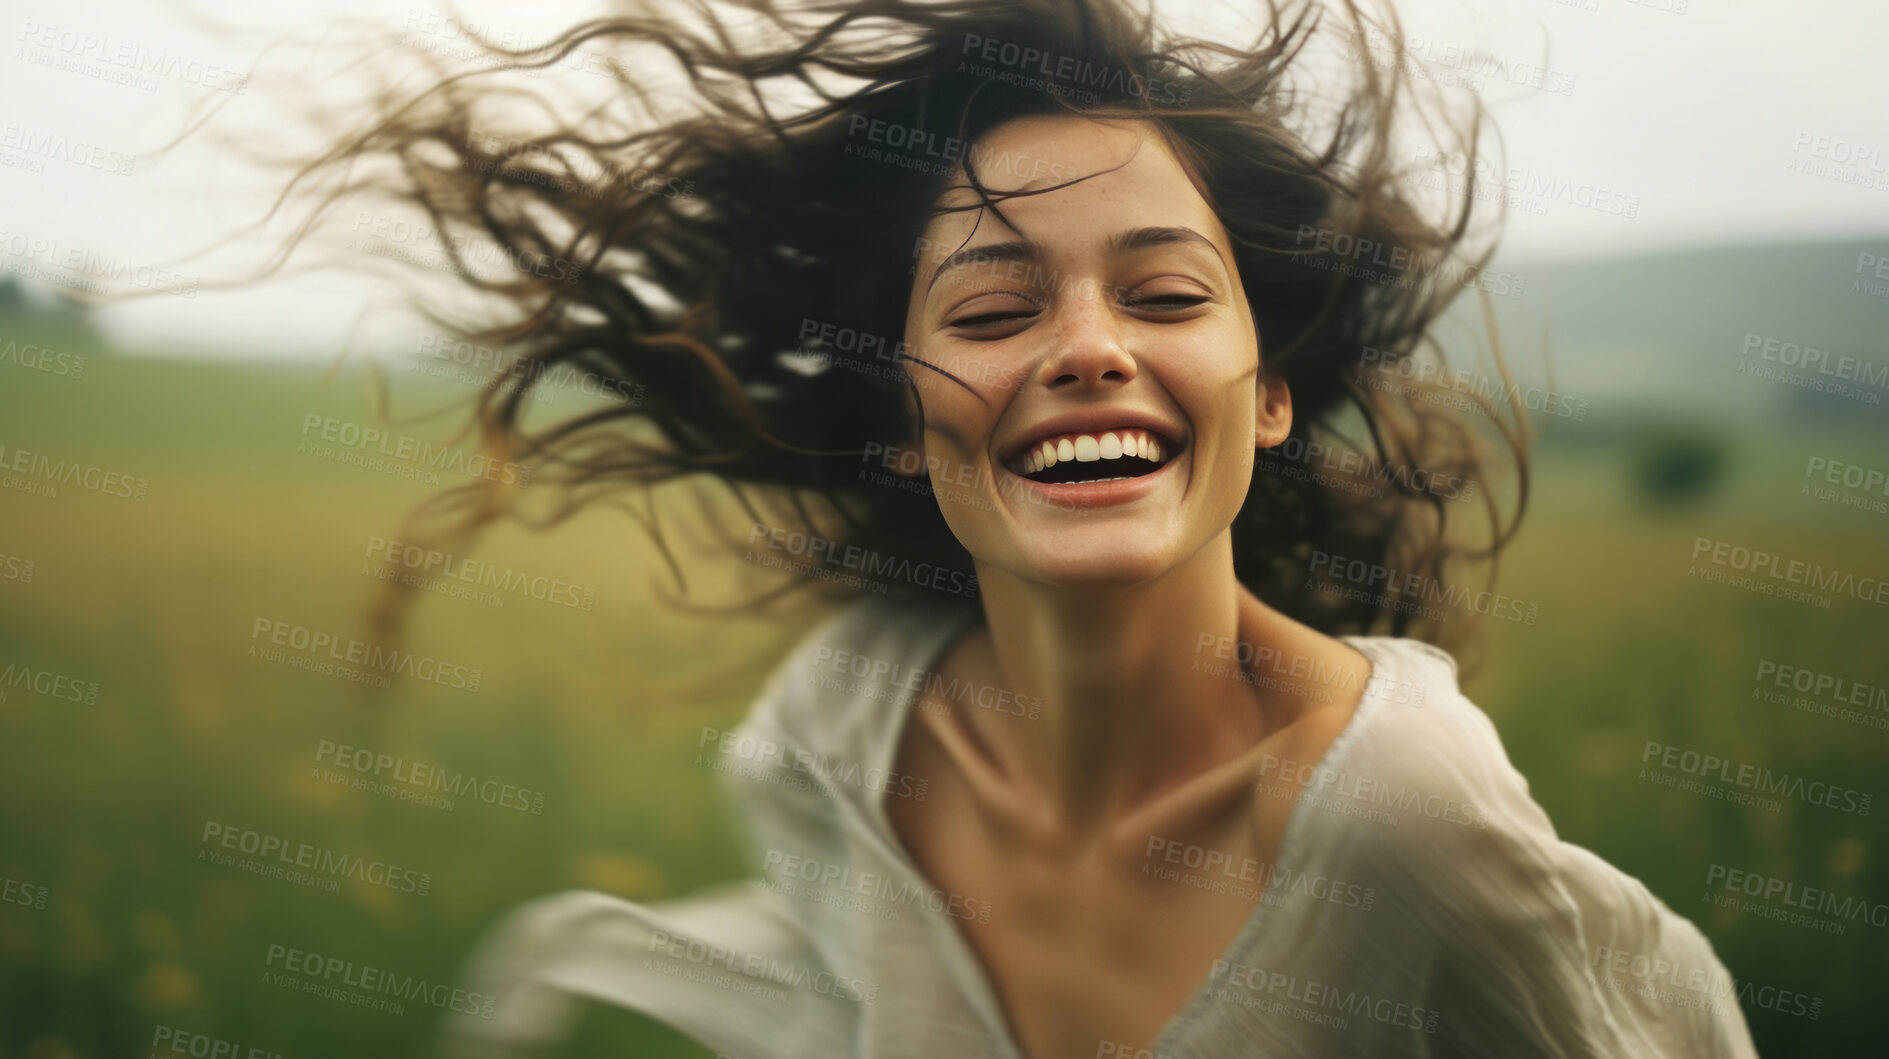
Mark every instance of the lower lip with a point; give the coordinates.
(1067, 495)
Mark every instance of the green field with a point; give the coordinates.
(155, 602)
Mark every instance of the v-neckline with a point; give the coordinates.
(973, 978)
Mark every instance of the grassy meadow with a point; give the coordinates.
(155, 602)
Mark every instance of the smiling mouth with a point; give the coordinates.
(1105, 457)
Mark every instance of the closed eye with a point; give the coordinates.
(987, 319)
(1159, 303)
(1169, 302)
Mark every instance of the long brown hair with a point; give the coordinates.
(681, 255)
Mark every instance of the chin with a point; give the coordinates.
(1118, 563)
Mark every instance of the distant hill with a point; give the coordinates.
(1668, 331)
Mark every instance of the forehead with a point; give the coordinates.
(1132, 179)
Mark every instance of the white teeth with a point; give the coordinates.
(1088, 448)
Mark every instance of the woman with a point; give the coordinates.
(1061, 337)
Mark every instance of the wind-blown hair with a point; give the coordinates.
(693, 257)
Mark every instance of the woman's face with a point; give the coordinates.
(1118, 398)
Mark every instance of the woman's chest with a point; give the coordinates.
(1091, 955)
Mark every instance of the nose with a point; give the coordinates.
(1088, 343)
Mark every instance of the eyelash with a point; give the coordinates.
(1187, 301)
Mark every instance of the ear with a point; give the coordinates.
(1272, 417)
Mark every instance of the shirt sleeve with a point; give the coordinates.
(728, 967)
(1532, 934)
(737, 968)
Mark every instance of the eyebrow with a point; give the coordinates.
(1119, 243)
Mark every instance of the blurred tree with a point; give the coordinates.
(1676, 466)
(21, 307)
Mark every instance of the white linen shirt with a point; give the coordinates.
(1420, 904)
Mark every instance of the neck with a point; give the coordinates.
(1133, 681)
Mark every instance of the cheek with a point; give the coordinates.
(957, 428)
(950, 418)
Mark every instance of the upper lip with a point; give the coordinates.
(1091, 421)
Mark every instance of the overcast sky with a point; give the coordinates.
(1721, 122)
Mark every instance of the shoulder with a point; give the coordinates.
(839, 681)
(1520, 919)
(1427, 766)
(1420, 727)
